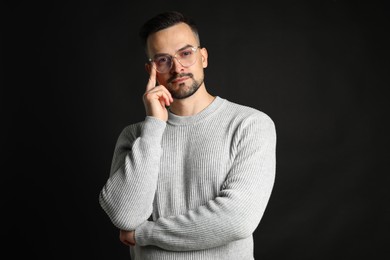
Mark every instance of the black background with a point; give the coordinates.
(73, 76)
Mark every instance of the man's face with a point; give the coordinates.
(181, 81)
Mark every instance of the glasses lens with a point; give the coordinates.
(163, 63)
(187, 56)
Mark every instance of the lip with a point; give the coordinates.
(178, 80)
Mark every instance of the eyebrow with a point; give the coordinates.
(164, 54)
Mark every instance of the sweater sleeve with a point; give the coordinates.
(238, 209)
(127, 196)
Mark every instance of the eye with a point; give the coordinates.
(186, 53)
(162, 60)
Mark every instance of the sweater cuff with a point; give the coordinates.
(143, 233)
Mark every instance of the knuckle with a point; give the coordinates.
(147, 95)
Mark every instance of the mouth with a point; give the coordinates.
(179, 80)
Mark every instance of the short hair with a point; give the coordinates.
(164, 20)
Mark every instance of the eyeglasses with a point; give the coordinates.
(185, 56)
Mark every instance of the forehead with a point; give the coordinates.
(171, 39)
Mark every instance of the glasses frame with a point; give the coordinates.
(194, 49)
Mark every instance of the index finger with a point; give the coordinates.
(152, 77)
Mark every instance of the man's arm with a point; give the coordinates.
(127, 197)
(237, 211)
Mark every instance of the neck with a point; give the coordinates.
(192, 105)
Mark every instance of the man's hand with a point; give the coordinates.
(127, 237)
(156, 98)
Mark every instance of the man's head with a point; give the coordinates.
(172, 45)
(163, 21)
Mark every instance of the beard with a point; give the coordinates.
(183, 91)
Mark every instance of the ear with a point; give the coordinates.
(205, 56)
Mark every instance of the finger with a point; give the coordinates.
(167, 93)
(163, 97)
(127, 243)
(161, 92)
(167, 97)
(152, 77)
(162, 103)
(123, 238)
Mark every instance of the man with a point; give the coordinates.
(193, 179)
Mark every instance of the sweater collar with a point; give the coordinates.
(188, 120)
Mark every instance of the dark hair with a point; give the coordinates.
(163, 21)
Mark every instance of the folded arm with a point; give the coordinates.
(238, 209)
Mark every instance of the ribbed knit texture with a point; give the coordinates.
(206, 180)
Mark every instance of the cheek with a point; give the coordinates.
(160, 79)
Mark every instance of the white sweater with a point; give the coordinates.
(205, 179)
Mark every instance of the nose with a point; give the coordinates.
(176, 65)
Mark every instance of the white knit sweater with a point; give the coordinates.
(205, 179)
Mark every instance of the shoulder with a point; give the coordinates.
(131, 131)
(246, 114)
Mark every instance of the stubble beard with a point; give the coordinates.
(182, 91)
